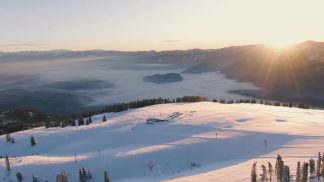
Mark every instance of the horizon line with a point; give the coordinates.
(148, 50)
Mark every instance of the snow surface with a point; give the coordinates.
(182, 149)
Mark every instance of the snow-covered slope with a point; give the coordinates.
(184, 148)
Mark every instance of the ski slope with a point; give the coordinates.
(206, 142)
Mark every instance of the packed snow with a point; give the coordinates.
(206, 142)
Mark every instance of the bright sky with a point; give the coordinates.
(156, 24)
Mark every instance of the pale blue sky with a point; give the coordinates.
(156, 24)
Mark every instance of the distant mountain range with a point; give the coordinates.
(295, 73)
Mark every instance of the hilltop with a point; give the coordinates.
(202, 141)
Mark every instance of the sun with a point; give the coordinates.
(281, 43)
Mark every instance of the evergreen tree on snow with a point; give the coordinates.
(81, 121)
(270, 171)
(90, 119)
(7, 163)
(104, 119)
(254, 173)
(62, 177)
(305, 172)
(19, 176)
(311, 167)
(286, 174)
(32, 141)
(8, 138)
(264, 173)
(35, 179)
(89, 175)
(87, 122)
(106, 178)
(298, 173)
(84, 175)
(81, 177)
(279, 168)
(322, 166)
(318, 166)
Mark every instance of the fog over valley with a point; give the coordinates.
(66, 84)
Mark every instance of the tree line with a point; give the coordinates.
(70, 120)
(308, 171)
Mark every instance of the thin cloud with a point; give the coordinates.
(171, 41)
(20, 45)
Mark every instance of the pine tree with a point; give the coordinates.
(305, 172)
(106, 178)
(62, 177)
(311, 167)
(322, 166)
(318, 167)
(286, 174)
(253, 173)
(270, 171)
(279, 168)
(264, 173)
(35, 179)
(298, 173)
(81, 121)
(8, 138)
(32, 141)
(19, 176)
(104, 119)
(47, 124)
(8, 163)
(81, 177)
(84, 173)
(12, 140)
(90, 119)
(89, 175)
